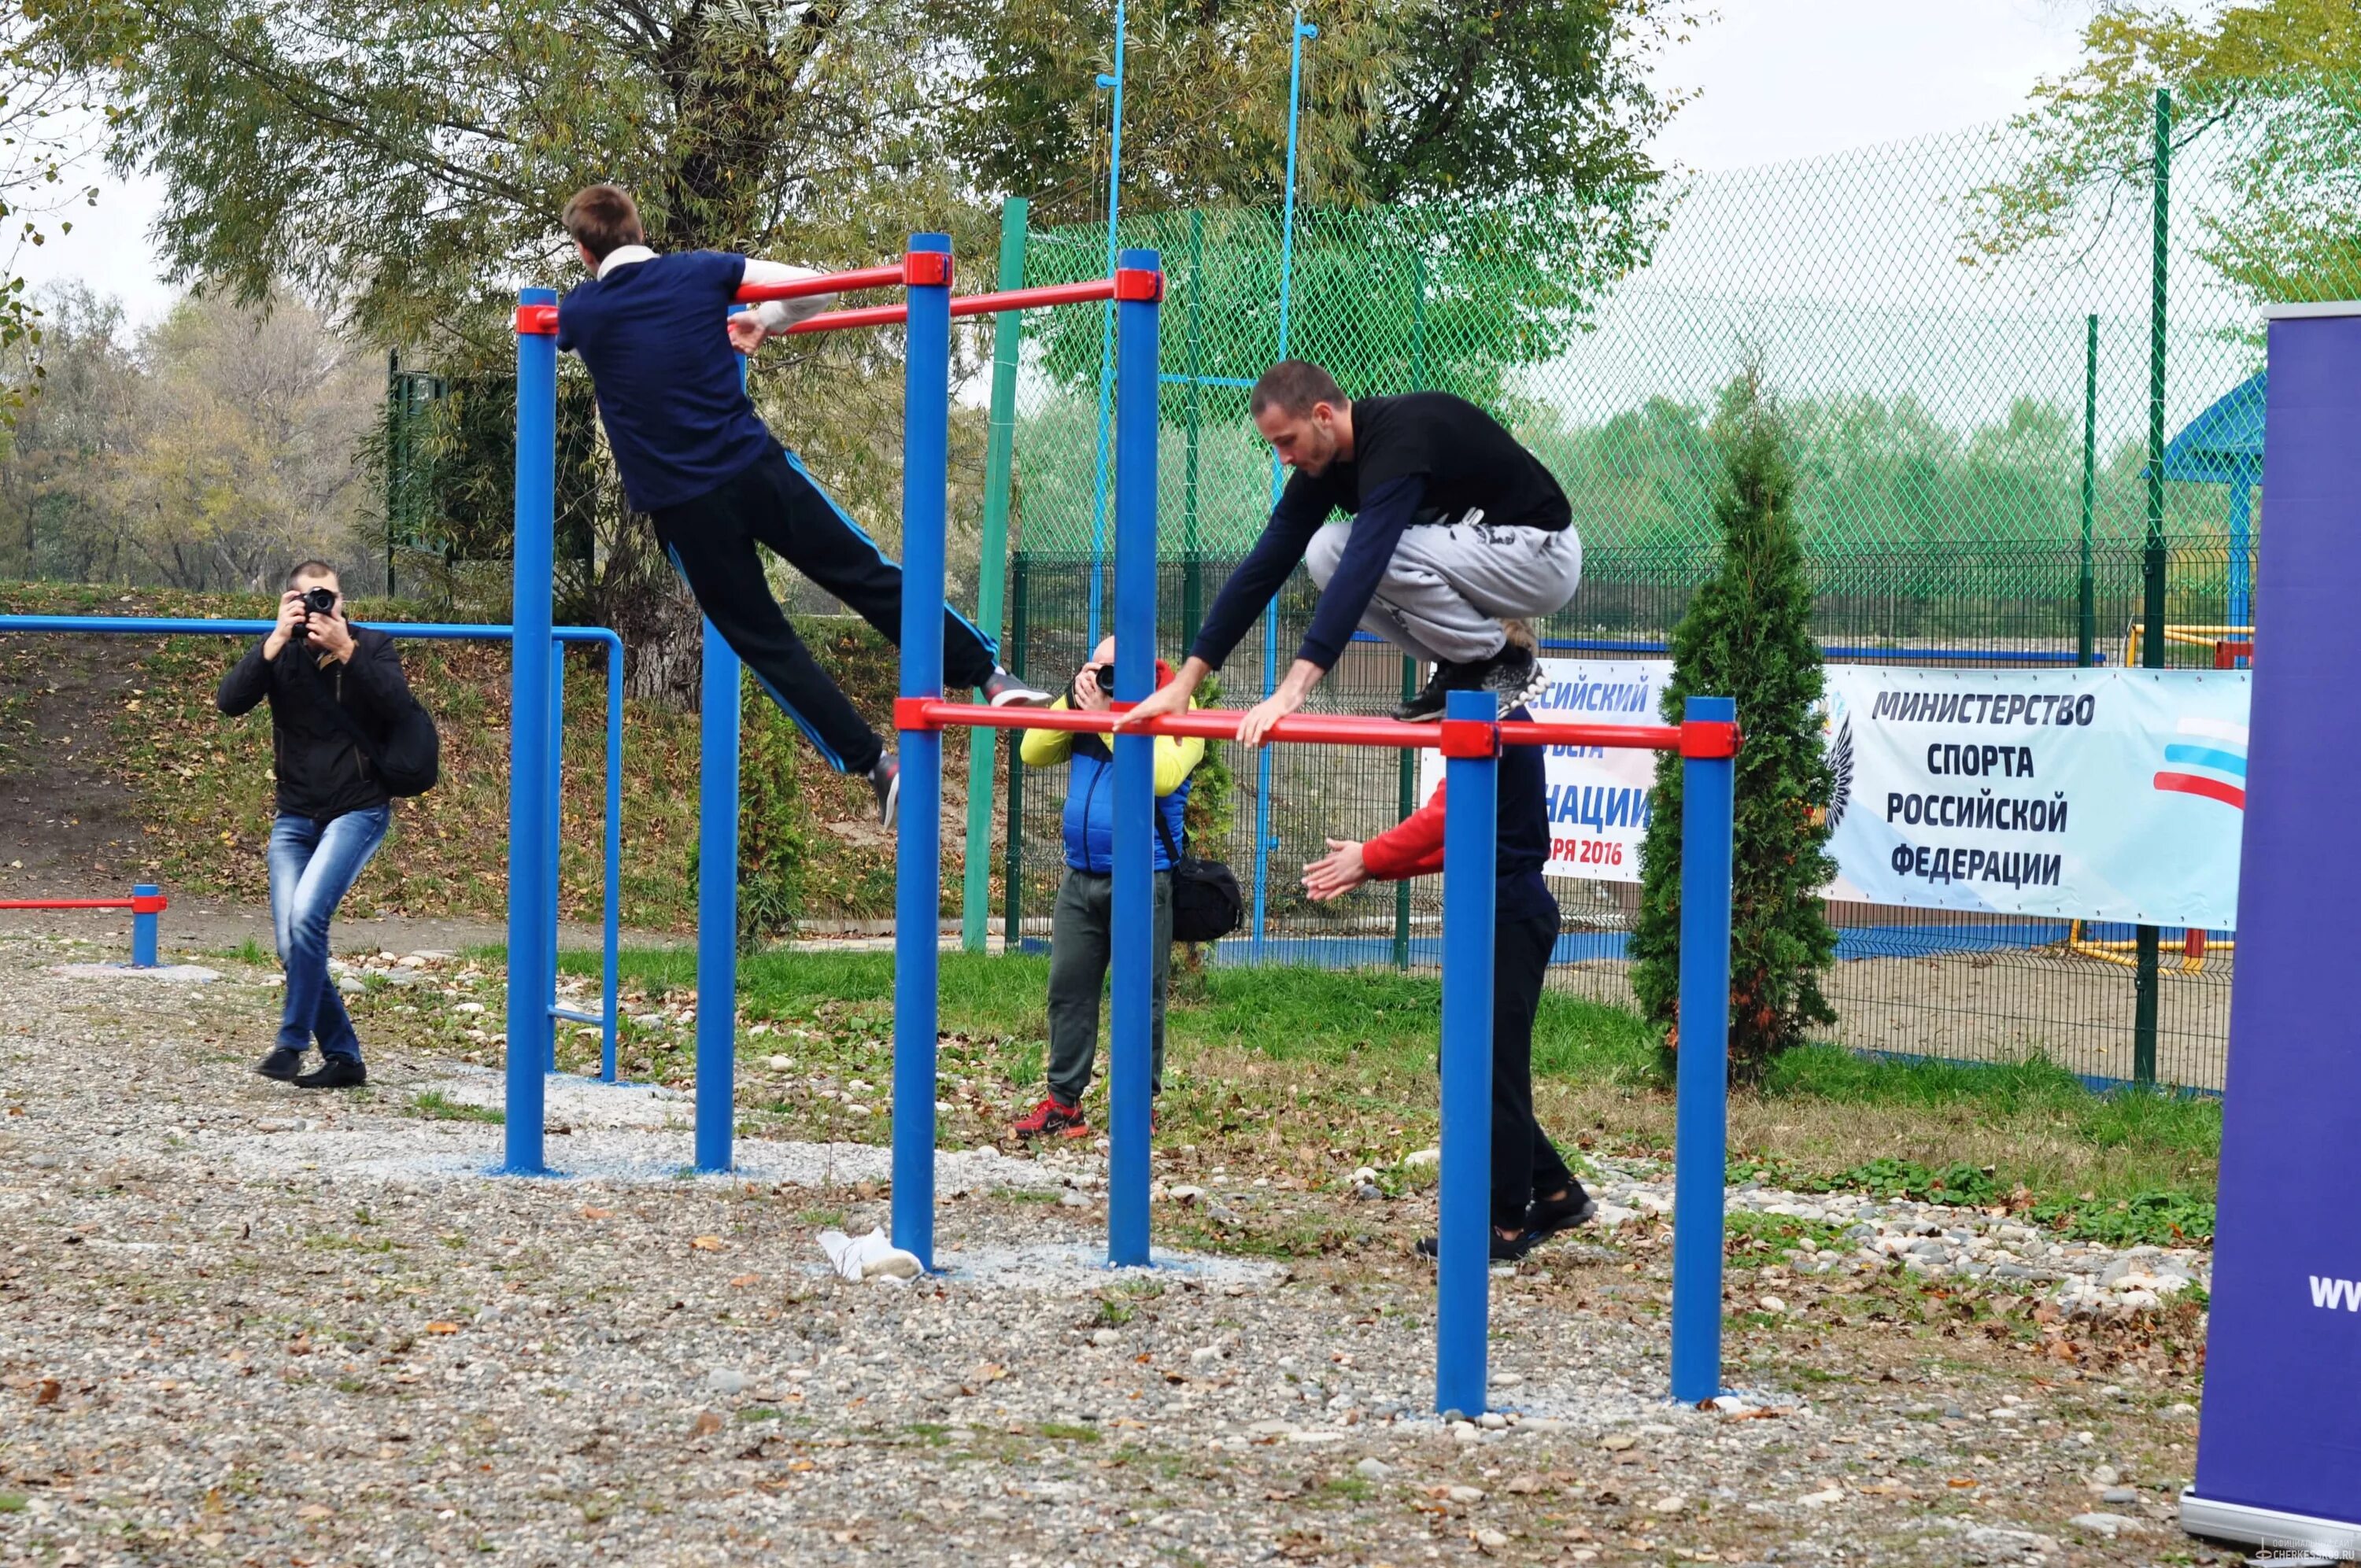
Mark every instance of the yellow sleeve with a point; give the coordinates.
(1046, 748)
(1176, 758)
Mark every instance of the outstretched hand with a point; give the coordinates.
(747, 331)
(1336, 873)
(1161, 703)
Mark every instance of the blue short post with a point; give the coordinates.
(533, 983)
(1132, 938)
(556, 836)
(610, 981)
(1471, 824)
(717, 905)
(143, 926)
(1701, 1121)
(918, 884)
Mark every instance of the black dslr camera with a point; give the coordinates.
(316, 601)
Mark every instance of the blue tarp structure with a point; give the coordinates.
(2224, 445)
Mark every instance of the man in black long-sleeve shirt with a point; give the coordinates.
(333, 809)
(1451, 526)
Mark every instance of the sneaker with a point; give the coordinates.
(885, 778)
(1514, 674)
(1548, 1216)
(1428, 705)
(334, 1072)
(281, 1064)
(1053, 1116)
(1505, 1249)
(1002, 689)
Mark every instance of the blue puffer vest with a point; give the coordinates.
(1090, 810)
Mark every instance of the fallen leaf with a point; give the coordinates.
(313, 1511)
(707, 1423)
(50, 1390)
(1960, 1481)
(706, 1244)
(591, 1212)
(742, 1280)
(441, 1327)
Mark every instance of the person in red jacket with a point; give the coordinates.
(1535, 1196)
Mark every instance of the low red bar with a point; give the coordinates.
(79, 904)
(965, 305)
(888, 277)
(1622, 737)
(1708, 738)
(1474, 737)
(536, 321)
(1304, 728)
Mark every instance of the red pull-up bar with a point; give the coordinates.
(1697, 737)
(1128, 283)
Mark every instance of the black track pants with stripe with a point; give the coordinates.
(776, 503)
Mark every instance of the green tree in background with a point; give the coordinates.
(1748, 635)
(2272, 89)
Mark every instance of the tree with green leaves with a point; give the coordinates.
(48, 127)
(2271, 88)
(1748, 635)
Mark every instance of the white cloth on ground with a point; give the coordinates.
(871, 1256)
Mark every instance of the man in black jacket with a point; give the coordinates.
(325, 679)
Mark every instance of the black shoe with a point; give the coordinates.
(1547, 1216)
(281, 1064)
(1514, 674)
(334, 1072)
(1505, 1249)
(885, 778)
(1428, 705)
(1002, 689)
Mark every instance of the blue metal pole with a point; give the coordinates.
(1106, 336)
(1264, 840)
(143, 928)
(1471, 825)
(717, 905)
(608, 979)
(918, 884)
(531, 982)
(1701, 1125)
(557, 834)
(1129, 1078)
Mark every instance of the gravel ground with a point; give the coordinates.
(243, 1324)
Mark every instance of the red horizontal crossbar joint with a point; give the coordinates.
(1708, 738)
(536, 321)
(147, 904)
(889, 276)
(1470, 738)
(919, 713)
(921, 267)
(1139, 283)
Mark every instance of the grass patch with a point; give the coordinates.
(438, 1106)
(1064, 1433)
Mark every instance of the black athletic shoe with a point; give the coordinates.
(1002, 689)
(885, 778)
(281, 1064)
(334, 1072)
(1514, 674)
(1505, 1249)
(1428, 705)
(1547, 1216)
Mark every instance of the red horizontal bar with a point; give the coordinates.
(1308, 729)
(888, 277)
(965, 305)
(67, 903)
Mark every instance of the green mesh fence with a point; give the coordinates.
(1962, 331)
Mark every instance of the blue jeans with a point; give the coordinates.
(311, 865)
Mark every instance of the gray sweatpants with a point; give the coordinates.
(1450, 584)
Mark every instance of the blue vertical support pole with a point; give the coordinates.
(1701, 1120)
(1471, 821)
(557, 834)
(717, 897)
(531, 981)
(609, 981)
(143, 926)
(1106, 333)
(918, 868)
(1138, 287)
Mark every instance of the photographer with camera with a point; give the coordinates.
(333, 689)
(1082, 927)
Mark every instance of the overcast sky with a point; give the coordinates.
(1780, 79)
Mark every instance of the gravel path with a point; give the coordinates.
(242, 1324)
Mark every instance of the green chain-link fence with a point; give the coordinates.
(1978, 340)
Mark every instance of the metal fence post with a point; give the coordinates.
(1701, 1116)
(918, 882)
(1407, 804)
(1011, 891)
(2086, 617)
(2154, 559)
(982, 745)
(1463, 1265)
(1132, 940)
(531, 983)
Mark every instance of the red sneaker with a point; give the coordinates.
(1052, 1116)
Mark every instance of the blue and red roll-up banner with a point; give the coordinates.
(2279, 1451)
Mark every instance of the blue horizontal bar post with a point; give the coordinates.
(1471, 819)
(143, 929)
(1131, 1015)
(918, 882)
(576, 1016)
(1701, 1117)
(531, 981)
